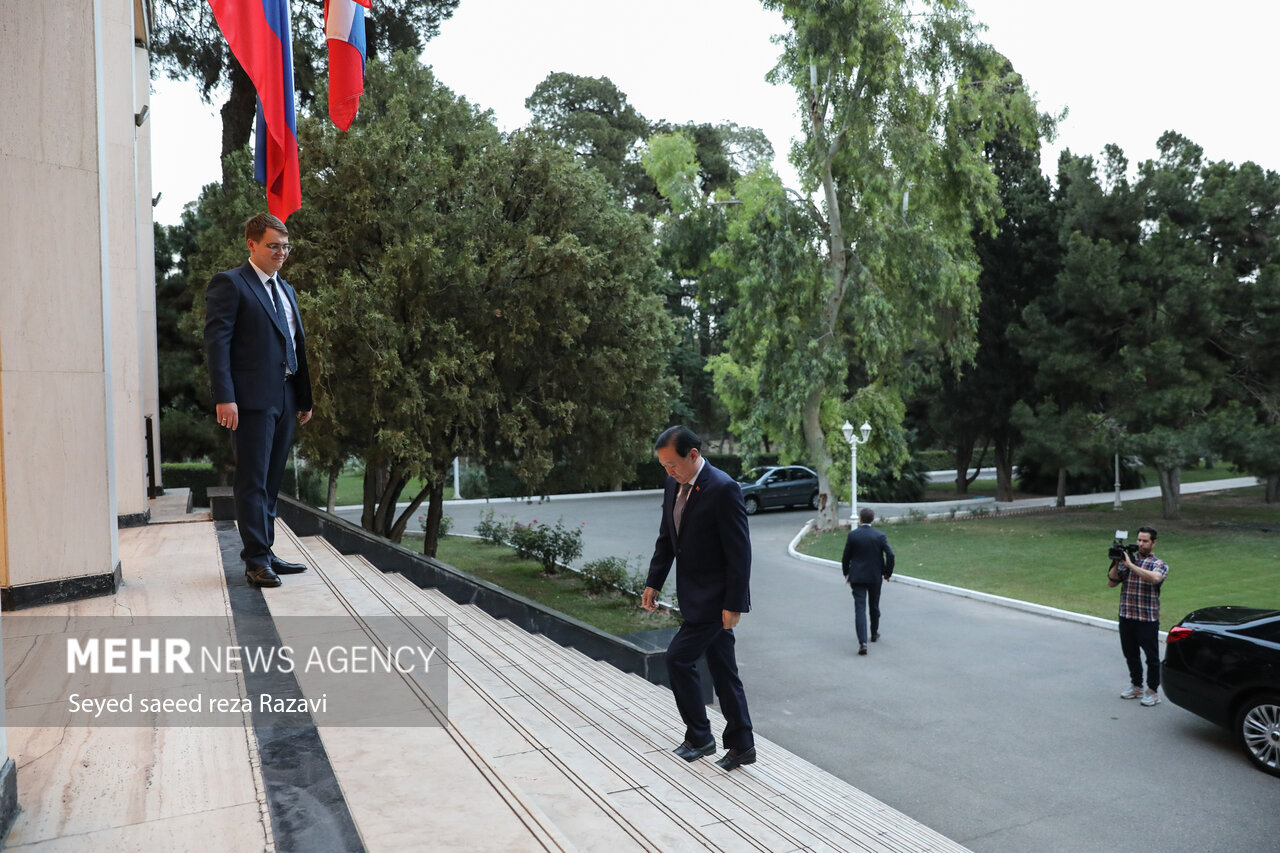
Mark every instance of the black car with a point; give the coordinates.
(790, 485)
(1223, 663)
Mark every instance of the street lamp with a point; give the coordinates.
(854, 441)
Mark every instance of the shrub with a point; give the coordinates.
(605, 575)
(636, 582)
(527, 540)
(492, 531)
(446, 523)
(551, 546)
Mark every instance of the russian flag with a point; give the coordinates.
(257, 31)
(344, 31)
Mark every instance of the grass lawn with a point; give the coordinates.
(1224, 550)
(986, 488)
(498, 564)
(351, 489)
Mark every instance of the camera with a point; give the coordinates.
(1118, 549)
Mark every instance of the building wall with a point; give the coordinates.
(131, 276)
(56, 308)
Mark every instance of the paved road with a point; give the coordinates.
(1000, 729)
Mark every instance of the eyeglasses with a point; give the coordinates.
(279, 247)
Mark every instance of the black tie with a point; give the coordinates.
(290, 356)
(681, 499)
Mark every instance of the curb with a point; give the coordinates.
(998, 600)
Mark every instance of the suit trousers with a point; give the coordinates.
(865, 596)
(692, 641)
(262, 447)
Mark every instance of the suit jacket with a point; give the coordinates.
(867, 555)
(245, 345)
(712, 550)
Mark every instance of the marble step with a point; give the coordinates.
(781, 802)
(407, 775)
(579, 811)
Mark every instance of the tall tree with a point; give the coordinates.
(1074, 330)
(186, 44)
(899, 99)
(593, 118)
(470, 294)
(1241, 209)
(1165, 351)
(1019, 260)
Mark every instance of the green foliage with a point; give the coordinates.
(897, 106)
(466, 293)
(553, 547)
(608, 574)
(199, 476)
(615, 614)
(446, 524)
(493, 531)
(196, 476)
(591, 117)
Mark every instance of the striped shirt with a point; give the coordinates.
(1139, 598)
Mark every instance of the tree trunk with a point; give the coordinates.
(1273, 488)
(1062, 488)
(374, 477)
(435, 511)
(1004, 470)
(238, 114)
(401, 522)
(331, 499)
(964, 455)
(1171, 491)
(817, 444)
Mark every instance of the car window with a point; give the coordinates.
(1268, 631)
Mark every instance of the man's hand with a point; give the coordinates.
(730, 619)
(303, 417)
(649, 598)
(228, 415)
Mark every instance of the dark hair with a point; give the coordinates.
(1148, 529)
(682, 437)
(866, 515)
(258, 225)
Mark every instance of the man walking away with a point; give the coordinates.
(867, 561)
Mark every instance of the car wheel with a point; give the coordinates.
(813, 500)
(753, 504)
(1258, 731)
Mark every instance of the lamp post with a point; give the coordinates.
(854, 441)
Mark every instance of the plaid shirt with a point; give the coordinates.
(1139, 598)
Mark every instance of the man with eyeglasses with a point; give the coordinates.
(257, 357)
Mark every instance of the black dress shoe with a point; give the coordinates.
(736, 758)
(282, 568)
(689, 752)
(862, 649)
(875, 637)
(261, 576)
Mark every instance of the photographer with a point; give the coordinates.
(1140, 574)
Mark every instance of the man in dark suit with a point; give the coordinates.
(704, 530)
(257, 356)
(867, 561)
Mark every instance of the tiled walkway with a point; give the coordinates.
(533, 747)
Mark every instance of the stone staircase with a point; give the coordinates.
(543, 748)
